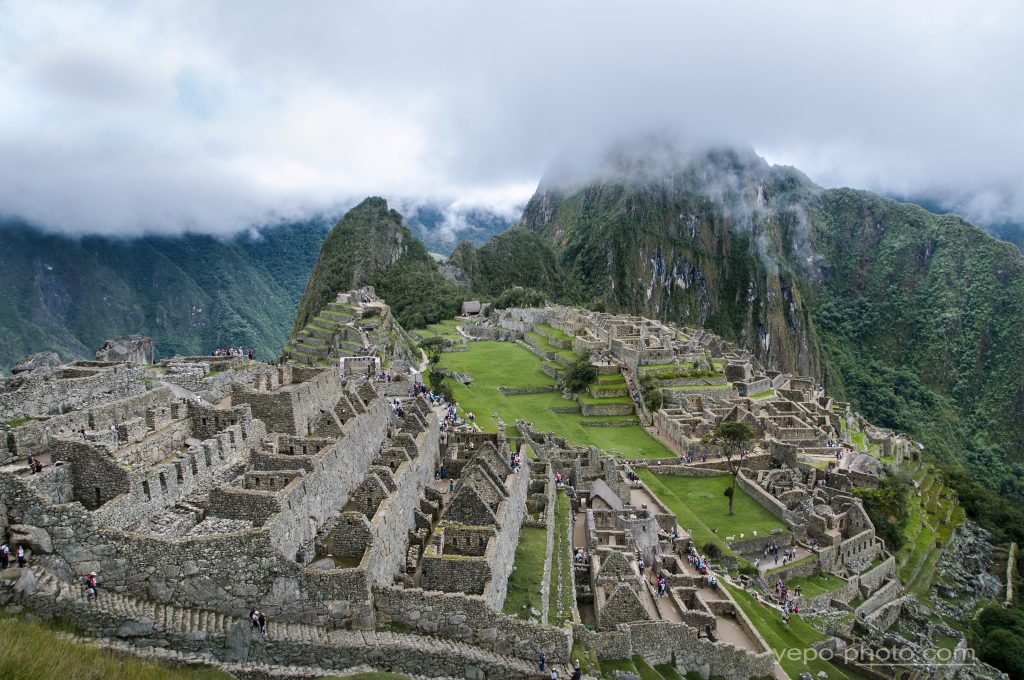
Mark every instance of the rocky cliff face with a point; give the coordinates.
(704, 241)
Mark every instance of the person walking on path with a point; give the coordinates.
(91, 593)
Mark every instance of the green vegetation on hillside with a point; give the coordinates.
(192, 293)
(915, 318)
(371, 246)
(515, 257)
(998, 636)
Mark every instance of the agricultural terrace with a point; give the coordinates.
(502, 364)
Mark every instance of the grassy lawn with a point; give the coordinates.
(524, 581)
(560, 609)
(782, 637)
(443, 329)
(816, 584)
(494, 364)
(700, 505)
(32, 651)
(553, 332)
(763, 395)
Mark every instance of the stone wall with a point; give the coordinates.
(34, 437)
(888, 592)
(765, 499)
(664, 642)
(602, 409)
(293, 408)
(471, 619)
(307, 504)
(70, 388)
(396, 516)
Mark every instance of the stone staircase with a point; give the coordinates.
(197, 635)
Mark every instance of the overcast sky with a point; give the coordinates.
(165, 116)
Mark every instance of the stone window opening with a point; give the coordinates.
(180, 472)
(99, 497)
(195, 465)
(145, 490)
(209, 461)
(163, 482)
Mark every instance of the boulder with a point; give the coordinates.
(236, 643)
(139, 628)
(36, 539)
(134, 349)
(26, 583)
(42, 362)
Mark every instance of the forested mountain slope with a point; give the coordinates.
(192, 293)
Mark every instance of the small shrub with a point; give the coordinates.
(712, 550)
(579, 375)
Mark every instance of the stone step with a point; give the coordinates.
(180, 620)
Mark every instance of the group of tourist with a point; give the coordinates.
(432, 397)
(788, 605)
(382, 377)
(233, 352)
(5, 556)
(396, 407)
(698, 561)
(580, 556)
(515, 461)
(542, 661)
(772, 550)
(258, 621)
(34, 466)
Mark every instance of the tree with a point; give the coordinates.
(433, 347)
(652, 396)
(733, 439)
(579, 375)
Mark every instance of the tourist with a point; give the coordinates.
(91, 591)
(5, 556)
(258, 621)
(250, 354)
(21, 557)
(554, 674)
(541, 660)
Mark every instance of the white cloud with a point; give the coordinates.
(165, 116)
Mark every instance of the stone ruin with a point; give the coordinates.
(200, 487)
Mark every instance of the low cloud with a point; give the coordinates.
(163, 117)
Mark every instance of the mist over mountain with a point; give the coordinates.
(916, 317)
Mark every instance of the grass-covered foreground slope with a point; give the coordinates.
(36, 651)
(33, 651)
(501, 364)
